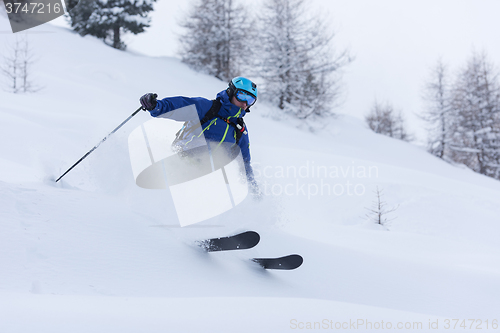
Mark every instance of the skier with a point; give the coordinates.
(220, 121)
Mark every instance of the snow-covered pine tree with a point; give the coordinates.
(218, 38)
(297, 61)
(80, 14)
(383, 119)
(476, 109)
(437, 114)
(109, 19)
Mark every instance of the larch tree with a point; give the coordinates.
(299, 67)
(218, 38)
(476, 117)
(16, 65)
(438, 114)
(383, 119)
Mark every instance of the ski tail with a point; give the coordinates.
(242, 241)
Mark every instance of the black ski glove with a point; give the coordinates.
(148, 101)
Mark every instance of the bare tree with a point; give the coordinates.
(17, 67)
(438, 112)
(218, 38)
(27, 60)
(379, 211)
(383, 119)
(11, 67)
(476, 117)
(300, 68)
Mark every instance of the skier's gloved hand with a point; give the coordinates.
(148, 101)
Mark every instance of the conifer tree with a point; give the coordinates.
(110, 19)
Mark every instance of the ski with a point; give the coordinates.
(242, 241)
(247, 240)
(290, 262)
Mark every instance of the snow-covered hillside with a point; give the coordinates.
(96, 253)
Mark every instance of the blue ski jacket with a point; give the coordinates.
(214, 130)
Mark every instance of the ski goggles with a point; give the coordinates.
(244, 96)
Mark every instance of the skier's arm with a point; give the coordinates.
(166, 105)
(245, 152)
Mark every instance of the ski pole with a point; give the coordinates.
(97, 145)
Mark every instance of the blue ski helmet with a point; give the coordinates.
(242, 84)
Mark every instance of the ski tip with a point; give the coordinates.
(296, 259)
(254, 236)
(289, 262)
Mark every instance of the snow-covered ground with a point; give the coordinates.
(96, 253)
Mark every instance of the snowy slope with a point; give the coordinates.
(96, 253)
